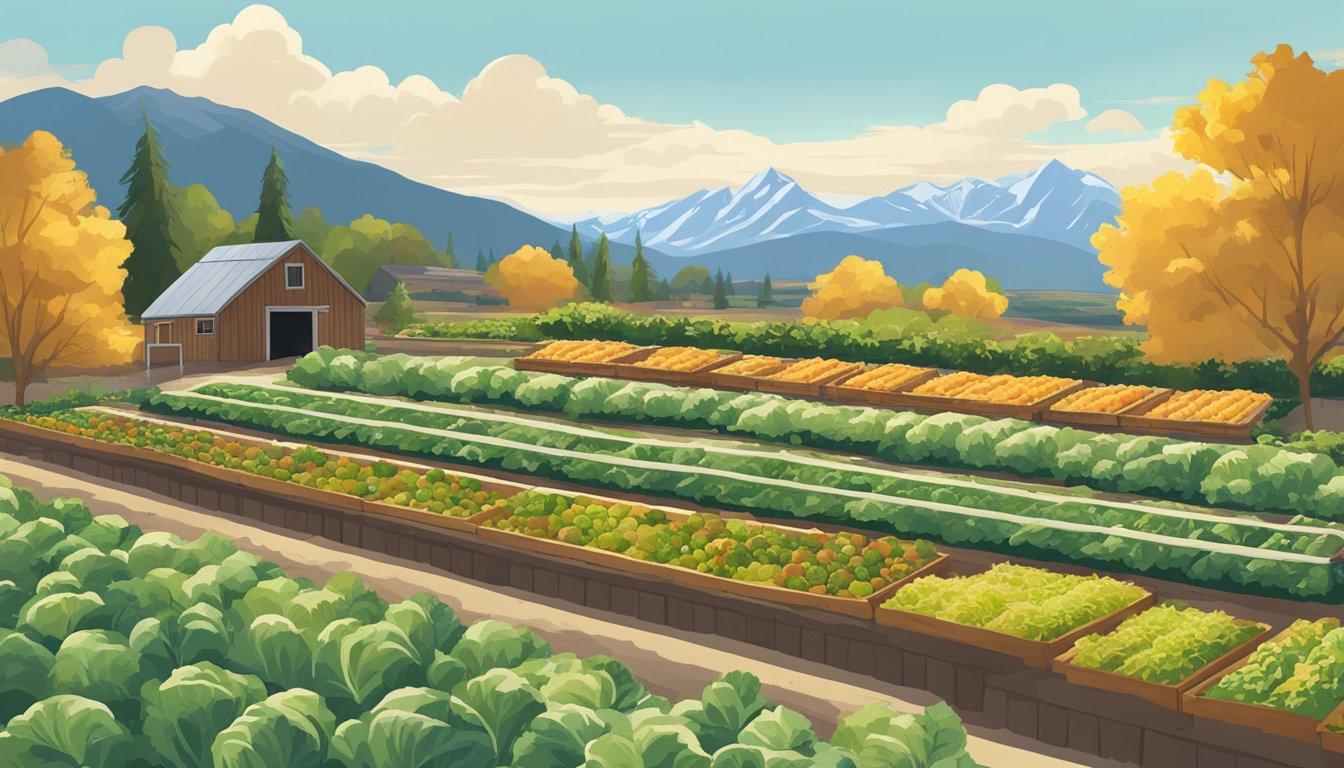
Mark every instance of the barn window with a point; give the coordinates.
(205, 327)
(293, 276)
(163, 333)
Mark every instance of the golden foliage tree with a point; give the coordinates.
(1250, 264)
(60, 267)
(856, 288)
(966, 293)
(531, 279)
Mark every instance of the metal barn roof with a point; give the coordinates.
(211, 284)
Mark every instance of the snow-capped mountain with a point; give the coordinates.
(1054, 202)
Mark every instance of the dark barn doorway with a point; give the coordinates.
(291, 334)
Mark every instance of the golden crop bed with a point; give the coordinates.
(584, 351)
(886, 378)
(1008, 390)
(1106, 399)
(812, 370)
(680, 359)
(752, 365)
(1207, 405)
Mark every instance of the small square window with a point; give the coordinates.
(293, 276)
(205, 327)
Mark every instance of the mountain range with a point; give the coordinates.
(1054, 202)
(1029, 231)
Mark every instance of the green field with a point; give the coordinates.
(1068, 307)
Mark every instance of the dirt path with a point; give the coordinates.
(670, 662)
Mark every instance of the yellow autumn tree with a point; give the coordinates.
(966, 293)
(855, 288)
(531, 279)
(1248, 264)
(60, 267)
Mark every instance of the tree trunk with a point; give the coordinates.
(1303, 373)
(21, 382)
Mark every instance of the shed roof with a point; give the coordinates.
(211, 284)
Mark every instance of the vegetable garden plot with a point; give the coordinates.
(751, 559)
(134, 649)
(1203, 547)
(1287, 686)
(845, 572)
(1016, 610)
(1260, 478)
(1161, 653)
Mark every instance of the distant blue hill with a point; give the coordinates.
(912, 254)
(226, 149)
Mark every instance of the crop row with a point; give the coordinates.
(1222, 550)
(125, 649)
(620, 529)
(1258, 477)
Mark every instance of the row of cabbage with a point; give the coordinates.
(1220, 550)
(1258, 477)
(124, 649)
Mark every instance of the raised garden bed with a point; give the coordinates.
(1137, 420)
(1103, 419)
(1166, 696)
(1271, 720)
(1036, 653)
(629, 368)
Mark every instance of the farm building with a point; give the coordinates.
(261, 301)
(433, 283)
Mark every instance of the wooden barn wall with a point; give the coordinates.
(194, 347)
(242, 324)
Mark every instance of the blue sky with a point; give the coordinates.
(790, 71)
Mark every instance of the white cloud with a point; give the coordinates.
(519, 134)
(1003, 111)
(1334, 58)
(1118, 120)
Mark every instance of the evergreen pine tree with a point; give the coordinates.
(639, 273)
(449, 258)
(601, 285)
(664, 290)
(557, 252)
(766, 295)
(397, 312)
(492, 259)
(720, 295)
(576, 256)
(274, 222)
(728, 285)
(481, 264)
(148, 213)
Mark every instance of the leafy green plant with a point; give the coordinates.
(1165, 644)
(1301, 672)
(1017, 600)
(404, 684)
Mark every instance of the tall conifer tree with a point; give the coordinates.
(640, 290)
(274, 221)
(720, 294)
(766, 295)
(600, 287)
(147, 213)
(576, 256)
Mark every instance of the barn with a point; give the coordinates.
(261, 301)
